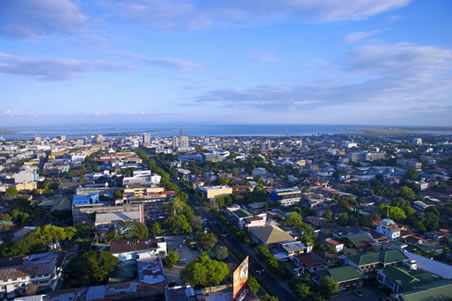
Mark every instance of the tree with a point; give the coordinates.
(128, 230)
(156, 229)
(392, 212)
(302, 290)
(11, 192)
(253, 284)
(411, 174)
(267, 297)
(329, 215)
(92, 267)
(38, 240)
(221, 252)
(177, 225)
(294, 219)
(407, 193)
(172, 259)
(206, 240)
(84, 231)
(204, 272)
(328, 287)
(117, 195)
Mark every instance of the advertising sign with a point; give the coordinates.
(240, 277)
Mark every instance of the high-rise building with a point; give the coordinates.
(146, 139)
(181, 141)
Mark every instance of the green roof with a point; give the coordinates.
(341, 274)
(383, 257)
(241, 213)
(438, 291)
(359, 238)
(407, 279)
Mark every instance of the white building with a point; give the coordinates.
(18, 273)
(389, 228)
(416, 141)
(144, 177)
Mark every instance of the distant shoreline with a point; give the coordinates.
(257, 130)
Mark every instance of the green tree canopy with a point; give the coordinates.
(206, 240)
(221, 252)
(11, 191)
(294, 219)
(204, 272)
(177, 225)
(407, 193)
(253, 284)
(39, 240)
(411, 174)
(172, 259)
(392, 212)
(328, 287)
(92, 267)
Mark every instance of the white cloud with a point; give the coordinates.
(403, 74)
(359, 35)
(192, 14)
(53, 69)
(29, 18)
(164, 62)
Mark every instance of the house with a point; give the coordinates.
(30, 274)
(388, 228)
(312, 200)
(370, 262)
(337, 245)
(360, 239)
(347, 277)
(317, 221)
(269, 235)
(295, 247)
(310, 263)
(132, 249)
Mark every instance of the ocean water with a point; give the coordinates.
(110, 130)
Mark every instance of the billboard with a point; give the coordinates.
(239, 277)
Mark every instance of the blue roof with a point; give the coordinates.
(91, 198)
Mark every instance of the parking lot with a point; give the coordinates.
(176, 243)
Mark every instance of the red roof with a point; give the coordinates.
(310, 261)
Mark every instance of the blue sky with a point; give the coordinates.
(386, 62)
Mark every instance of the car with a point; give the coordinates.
(358, 293)
(183, 261)
(172, 284)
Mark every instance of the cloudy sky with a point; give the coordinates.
(385, 62)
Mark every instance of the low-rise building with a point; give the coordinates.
(30, 274)
(388, 228)
(212, 192)
(286, 196)
(370, 262)
(347, 277)
(312, 200)
(132, 249)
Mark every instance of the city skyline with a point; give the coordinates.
(297, 62)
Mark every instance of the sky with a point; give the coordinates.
(385, 62)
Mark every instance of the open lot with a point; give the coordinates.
(185, 252)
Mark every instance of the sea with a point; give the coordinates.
(111, 130)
